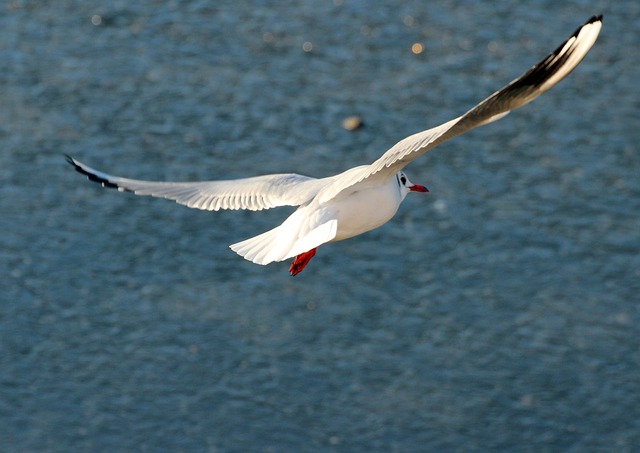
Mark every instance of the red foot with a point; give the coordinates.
(300, 261)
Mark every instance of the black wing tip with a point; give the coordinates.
(91, 176)
(592, 20)
(540, 72)
(70, 160)
(596, 18)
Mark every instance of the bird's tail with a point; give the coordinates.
(259, 249)
(283, 242)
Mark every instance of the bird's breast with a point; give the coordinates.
(364, 210)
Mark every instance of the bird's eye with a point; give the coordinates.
(403, 180)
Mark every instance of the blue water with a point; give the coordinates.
(499, 312)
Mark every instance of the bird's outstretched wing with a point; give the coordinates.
(261, 192)
(519, 92)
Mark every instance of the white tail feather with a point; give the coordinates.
(280, 243)
(257, 249)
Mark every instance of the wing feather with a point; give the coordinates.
(519, 92)
(257, 193)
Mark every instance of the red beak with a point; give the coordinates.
(418, 188)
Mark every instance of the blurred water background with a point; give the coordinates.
(497, 313)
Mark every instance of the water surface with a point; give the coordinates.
(499, 312)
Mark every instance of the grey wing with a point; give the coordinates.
(257, 193)
(519, 92)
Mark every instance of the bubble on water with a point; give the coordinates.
(440, 206)
(417, 48)
(352, 123)
(268, 37)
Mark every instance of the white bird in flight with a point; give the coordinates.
(360, 199)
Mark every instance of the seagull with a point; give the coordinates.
(362, 198)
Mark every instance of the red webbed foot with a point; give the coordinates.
(300, 261)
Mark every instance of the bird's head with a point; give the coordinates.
(407, 186)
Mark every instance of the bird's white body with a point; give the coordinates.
(366, 207)
(362, 198)
(356, 210)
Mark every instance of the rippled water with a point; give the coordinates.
(497, 313)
